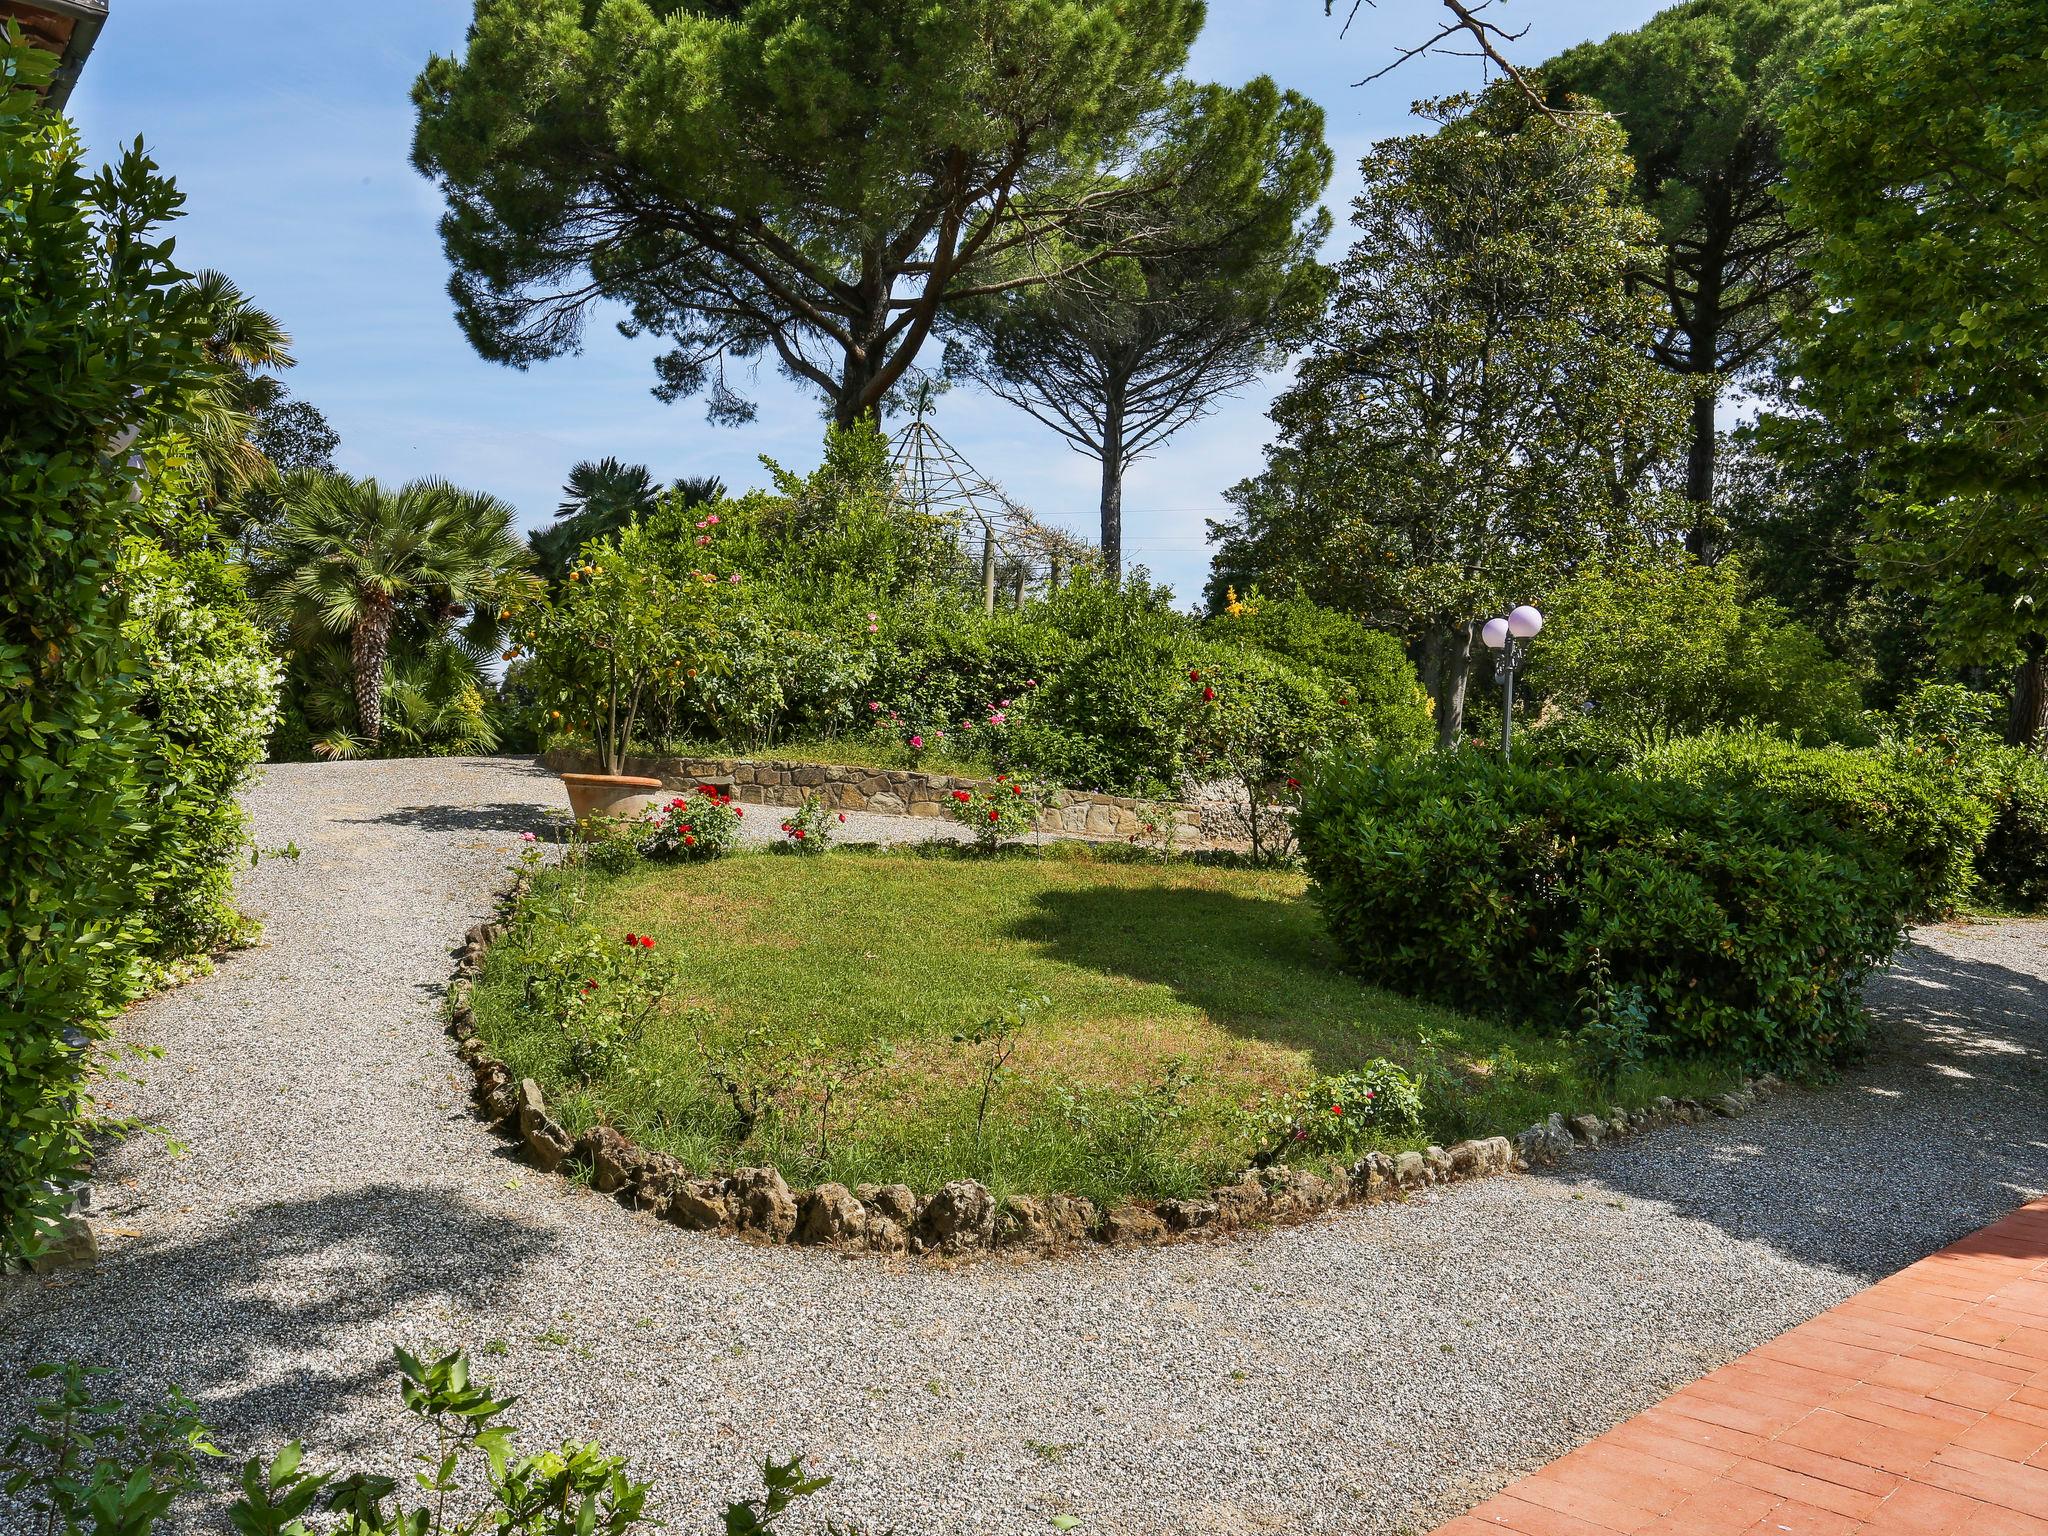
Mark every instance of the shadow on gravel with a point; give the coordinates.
(500, 816)
(275, 1322)
(1941, 1129)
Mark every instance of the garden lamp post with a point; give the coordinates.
(1510, 636)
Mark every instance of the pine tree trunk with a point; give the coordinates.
(2028, 726)
(1699, 477)
(1113, 484)
(367, 648)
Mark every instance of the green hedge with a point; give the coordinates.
(1745, 926)
(1926, 821)
(97, 339)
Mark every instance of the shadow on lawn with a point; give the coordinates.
(1262, 969)
(1941, 1129)
(276, 1320)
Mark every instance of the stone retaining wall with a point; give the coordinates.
(891, 792)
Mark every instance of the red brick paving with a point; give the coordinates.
(1917, 1408)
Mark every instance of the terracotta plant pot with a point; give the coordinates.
(609, 794)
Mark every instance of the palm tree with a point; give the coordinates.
(353, 558)
(246, 347)
(601, 497)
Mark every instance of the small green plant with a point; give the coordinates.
(1337, 1115)
(703, 825)
(84, 1467)
(1613, 1036)
(997, 1040)
(611, 845)
(999, 812)
(809, 827)
(600, 994)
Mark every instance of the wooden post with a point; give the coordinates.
(1021, 573)
(988, 569)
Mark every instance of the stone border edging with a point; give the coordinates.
(963, 1217)
(889, 792)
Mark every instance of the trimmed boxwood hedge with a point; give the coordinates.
(1746, 924)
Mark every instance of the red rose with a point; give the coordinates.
(689, 842)
(632, 939)
(995, 815)
(645, 942)
(1016, 789)
(1208, 694)
(798, 834)
(842, 815)
(1336, 1109)
(962, 796)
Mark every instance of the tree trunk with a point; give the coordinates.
(1699, 476)
(988, 570)
(1113, 483)
(1447, 675)
(367, 648)
(2028, 726)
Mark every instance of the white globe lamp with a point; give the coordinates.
(1495, 633)
(1524, 623)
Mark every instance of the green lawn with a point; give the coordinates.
(1179, 1000)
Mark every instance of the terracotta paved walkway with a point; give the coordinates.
(1918, 1407)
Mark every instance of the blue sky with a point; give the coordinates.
(288, 127)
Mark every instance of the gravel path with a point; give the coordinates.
(1369, 1373)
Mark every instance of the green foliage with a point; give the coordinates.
(2012, 865)
(1614, 1037)
(695, 827)
(1658, 650)
(819, 182)
(1699, 88)
(600, 992)
(1480, 414)
(1746, 925)
(1918, 156)
(207, 687)
(809, 827)
(389, 571)
(1340, 1115)
(621, 630)
(1000, 812)
(1119, 363)
(1919, 812)
(100, 341)
(88, 1468)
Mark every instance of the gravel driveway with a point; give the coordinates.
(1371, 1372)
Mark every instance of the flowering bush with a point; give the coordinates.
(703, 825)
(994, 813)
(1336, 1115)
(599, 993)
(809, 827)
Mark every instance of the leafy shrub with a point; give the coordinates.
(2012, 864)
(610, 845)
(1335, 1116)
(1369, 665)
(1925, 819)
(1614, 1036)
(809, 826)
(705, 825)
(1746, 924)
(101, 341)
(208, 689)
(999, 812)
(1667, 650)
(88, 1469)
(598, 993)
